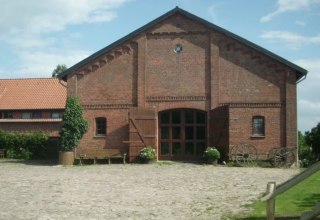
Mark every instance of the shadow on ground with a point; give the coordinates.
(30, 162)
(309, 201)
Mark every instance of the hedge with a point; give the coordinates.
(19, 145)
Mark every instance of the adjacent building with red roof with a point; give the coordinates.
(32, 104)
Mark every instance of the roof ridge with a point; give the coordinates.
(29, 78)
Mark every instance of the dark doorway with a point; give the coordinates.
(182, 134)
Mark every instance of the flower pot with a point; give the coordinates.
(212, 161)
(66, 158)
(146, 161)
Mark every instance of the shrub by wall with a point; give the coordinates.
(32, 145)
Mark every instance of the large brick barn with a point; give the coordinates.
(180, 84)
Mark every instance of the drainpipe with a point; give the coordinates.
(297, 154)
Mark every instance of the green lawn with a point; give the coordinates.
(290, 204)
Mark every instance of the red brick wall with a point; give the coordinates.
(177, 24)
(117, 129)
(113, 82)
(183, 74)
(291, 110)
(240, 128)
(248, 76)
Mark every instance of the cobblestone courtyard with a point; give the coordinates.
(132, 191)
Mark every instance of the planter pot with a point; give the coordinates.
(212, 161)
(66, 158)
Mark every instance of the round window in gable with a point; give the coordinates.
(178, 48)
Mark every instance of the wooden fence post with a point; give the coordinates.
(270, 203)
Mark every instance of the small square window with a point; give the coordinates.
(7, 115)
(101, 124)
(26, 115)
(258, 126)
(56, 115)
(36, 115)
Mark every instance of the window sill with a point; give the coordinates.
(257, 136)
(100, 136)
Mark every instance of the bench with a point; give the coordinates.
(99, 154)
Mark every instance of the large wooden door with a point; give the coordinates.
(142, 130)
(182, 134)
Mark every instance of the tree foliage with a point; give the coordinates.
(313, 140)
(305, 154)
(73, 125)
(59, 69)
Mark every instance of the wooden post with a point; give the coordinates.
(270, 203)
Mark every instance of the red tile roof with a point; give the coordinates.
(41, 93)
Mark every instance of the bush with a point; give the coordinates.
(147, 154)
(73, 125)
(31, 145)
(211, 154)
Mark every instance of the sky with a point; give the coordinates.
(37, 35)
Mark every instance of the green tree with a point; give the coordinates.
(73, 125)
(59, 69)
(304, 149)
(313, 139)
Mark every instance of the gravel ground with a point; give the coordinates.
(132, 191)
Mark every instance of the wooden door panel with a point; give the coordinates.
(142, 130)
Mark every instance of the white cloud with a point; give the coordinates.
(290, 5)
(29, 41)
(308, 95)
(38, 16)
(41, 64)
(300, 23)
(309, 114)
(313, 66)
(28, 29)
(291, 40)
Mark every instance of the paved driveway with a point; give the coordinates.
(153, 191)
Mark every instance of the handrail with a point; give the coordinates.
(292, 182)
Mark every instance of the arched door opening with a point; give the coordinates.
(182, 134)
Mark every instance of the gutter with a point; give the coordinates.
(303, 78)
